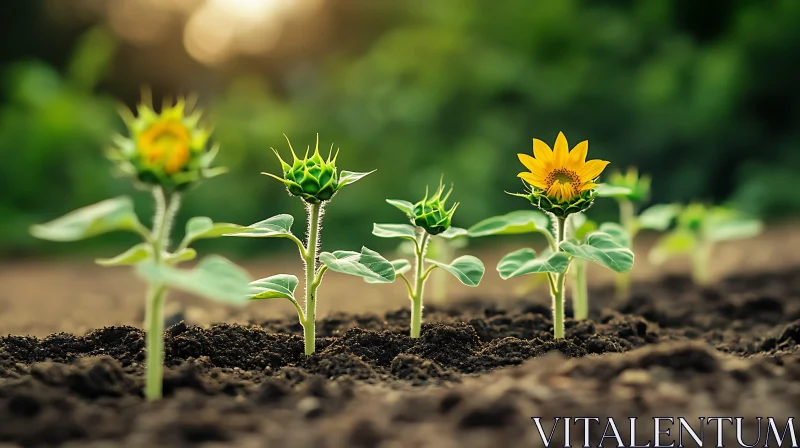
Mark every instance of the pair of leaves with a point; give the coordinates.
(367, 264)
(600, 247)
(213, 278)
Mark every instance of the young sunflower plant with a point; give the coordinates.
(631, 191)
(166, 153)
(430, 220)
(562, 184)
(315, 180)
(699, 228)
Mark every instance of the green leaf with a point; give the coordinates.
(658, 217)
(524, 261)
(732, 229)
(677, 242)
(610, 191)
(202, 227)
(406, 231)
(351, 177)
(401, 266)
(184, 254)
(135, 254)
(521, 221)
(279, 286)
(367, 264)
(453, 233)
(617, 232)
(279, 226)
(602, 249)
(466, 268)
(105, 216)
(404, 206)
(213, 278)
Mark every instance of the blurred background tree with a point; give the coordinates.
(702, 95)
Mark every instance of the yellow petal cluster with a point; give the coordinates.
(560, 173)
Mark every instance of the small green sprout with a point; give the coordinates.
(431, 220)
(561, 184)
(165, 154)
(698, 228)
(631, 190)
(315, 181)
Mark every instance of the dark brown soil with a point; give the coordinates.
(671, 350)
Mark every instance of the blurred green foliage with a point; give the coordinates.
(702, 95)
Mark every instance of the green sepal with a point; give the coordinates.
(279, 226)
(603, 249)
(367, 264)
(202, 227)
(405, 231)
(524, 261)
(521, 221)
(467, 269)
(103, 217)
(281, 286)
(658, 217)
(213, 278)
(578, 204)
(134, 255)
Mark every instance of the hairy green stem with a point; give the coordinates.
(419, 285)
(310, 260)
(154, 308)
(558, 286)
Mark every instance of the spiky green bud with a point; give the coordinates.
(431, 213)
(313, 179)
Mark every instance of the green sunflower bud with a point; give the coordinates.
(638, 185)
(313, 179)
(168, 149)
(431, 214)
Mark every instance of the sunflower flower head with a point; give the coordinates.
(639, 186)
(561, 181)
(166, 148)
(313, 179)
(431, 213)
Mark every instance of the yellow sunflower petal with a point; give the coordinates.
(532, 164)
(542, 152)
(588, 186)
(561, 151)
(577, 157)
(532, 179)
(592, 169)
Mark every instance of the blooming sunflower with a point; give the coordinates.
(562, 181)
(167, 148)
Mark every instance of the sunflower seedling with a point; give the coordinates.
(562, 183)
(167, 154)
(631, 190)
(698, 229)
(430, 220)
(315, 181)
